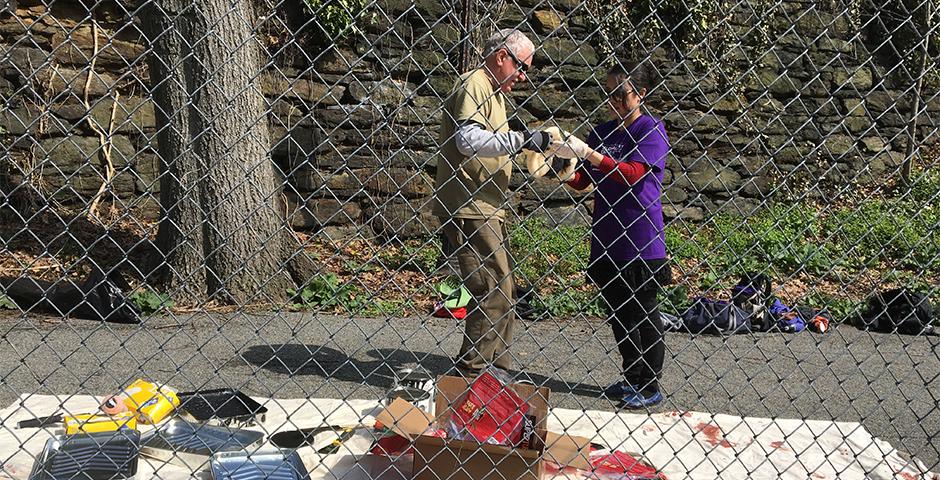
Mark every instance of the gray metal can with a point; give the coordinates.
(416, 396)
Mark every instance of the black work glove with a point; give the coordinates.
(515, 124)
(558, 164)
(537, 140)
(562, 168)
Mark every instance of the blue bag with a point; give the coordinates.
(706, 315)
(791, 322)
(671, 323)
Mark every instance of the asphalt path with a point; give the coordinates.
(888, 383)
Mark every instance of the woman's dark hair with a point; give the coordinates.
(640, 73)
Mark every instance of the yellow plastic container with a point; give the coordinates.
(150, 401)
(92, 423)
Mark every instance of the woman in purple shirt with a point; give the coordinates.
(624, 159)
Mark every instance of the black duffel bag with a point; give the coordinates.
(898, 310)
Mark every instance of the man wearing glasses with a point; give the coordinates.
(472, 188)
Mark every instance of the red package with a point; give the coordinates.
(490, 412)
(622, 465)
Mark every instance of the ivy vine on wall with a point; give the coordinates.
(334, 19)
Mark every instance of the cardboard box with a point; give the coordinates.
(436, 458)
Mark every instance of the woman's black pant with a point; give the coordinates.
(630, 292)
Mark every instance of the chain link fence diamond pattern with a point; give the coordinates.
(241, 195)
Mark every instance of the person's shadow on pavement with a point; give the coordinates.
(300, 359)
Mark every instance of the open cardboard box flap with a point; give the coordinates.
(568, 450)
(405, 419)
(410, 421)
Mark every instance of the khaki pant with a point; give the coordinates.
(482, 250)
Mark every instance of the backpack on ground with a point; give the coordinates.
(525, 303)
(753, 295)
(898, 310)
(715, 316)
(671, 323)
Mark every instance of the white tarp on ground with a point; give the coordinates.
(685, 445)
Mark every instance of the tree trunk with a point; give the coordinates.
(219, 192)
(181, 269)
(231, 139)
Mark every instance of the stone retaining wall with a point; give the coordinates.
(356, 125)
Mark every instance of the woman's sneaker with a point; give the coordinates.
(619, 390)
(638, 400)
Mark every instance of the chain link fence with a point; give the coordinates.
(241, 195)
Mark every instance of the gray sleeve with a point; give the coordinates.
(473, 139)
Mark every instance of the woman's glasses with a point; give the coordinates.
(617, 94)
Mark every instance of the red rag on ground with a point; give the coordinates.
(491, 412)
(440, 311)
(622, 465)
(820, 324)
